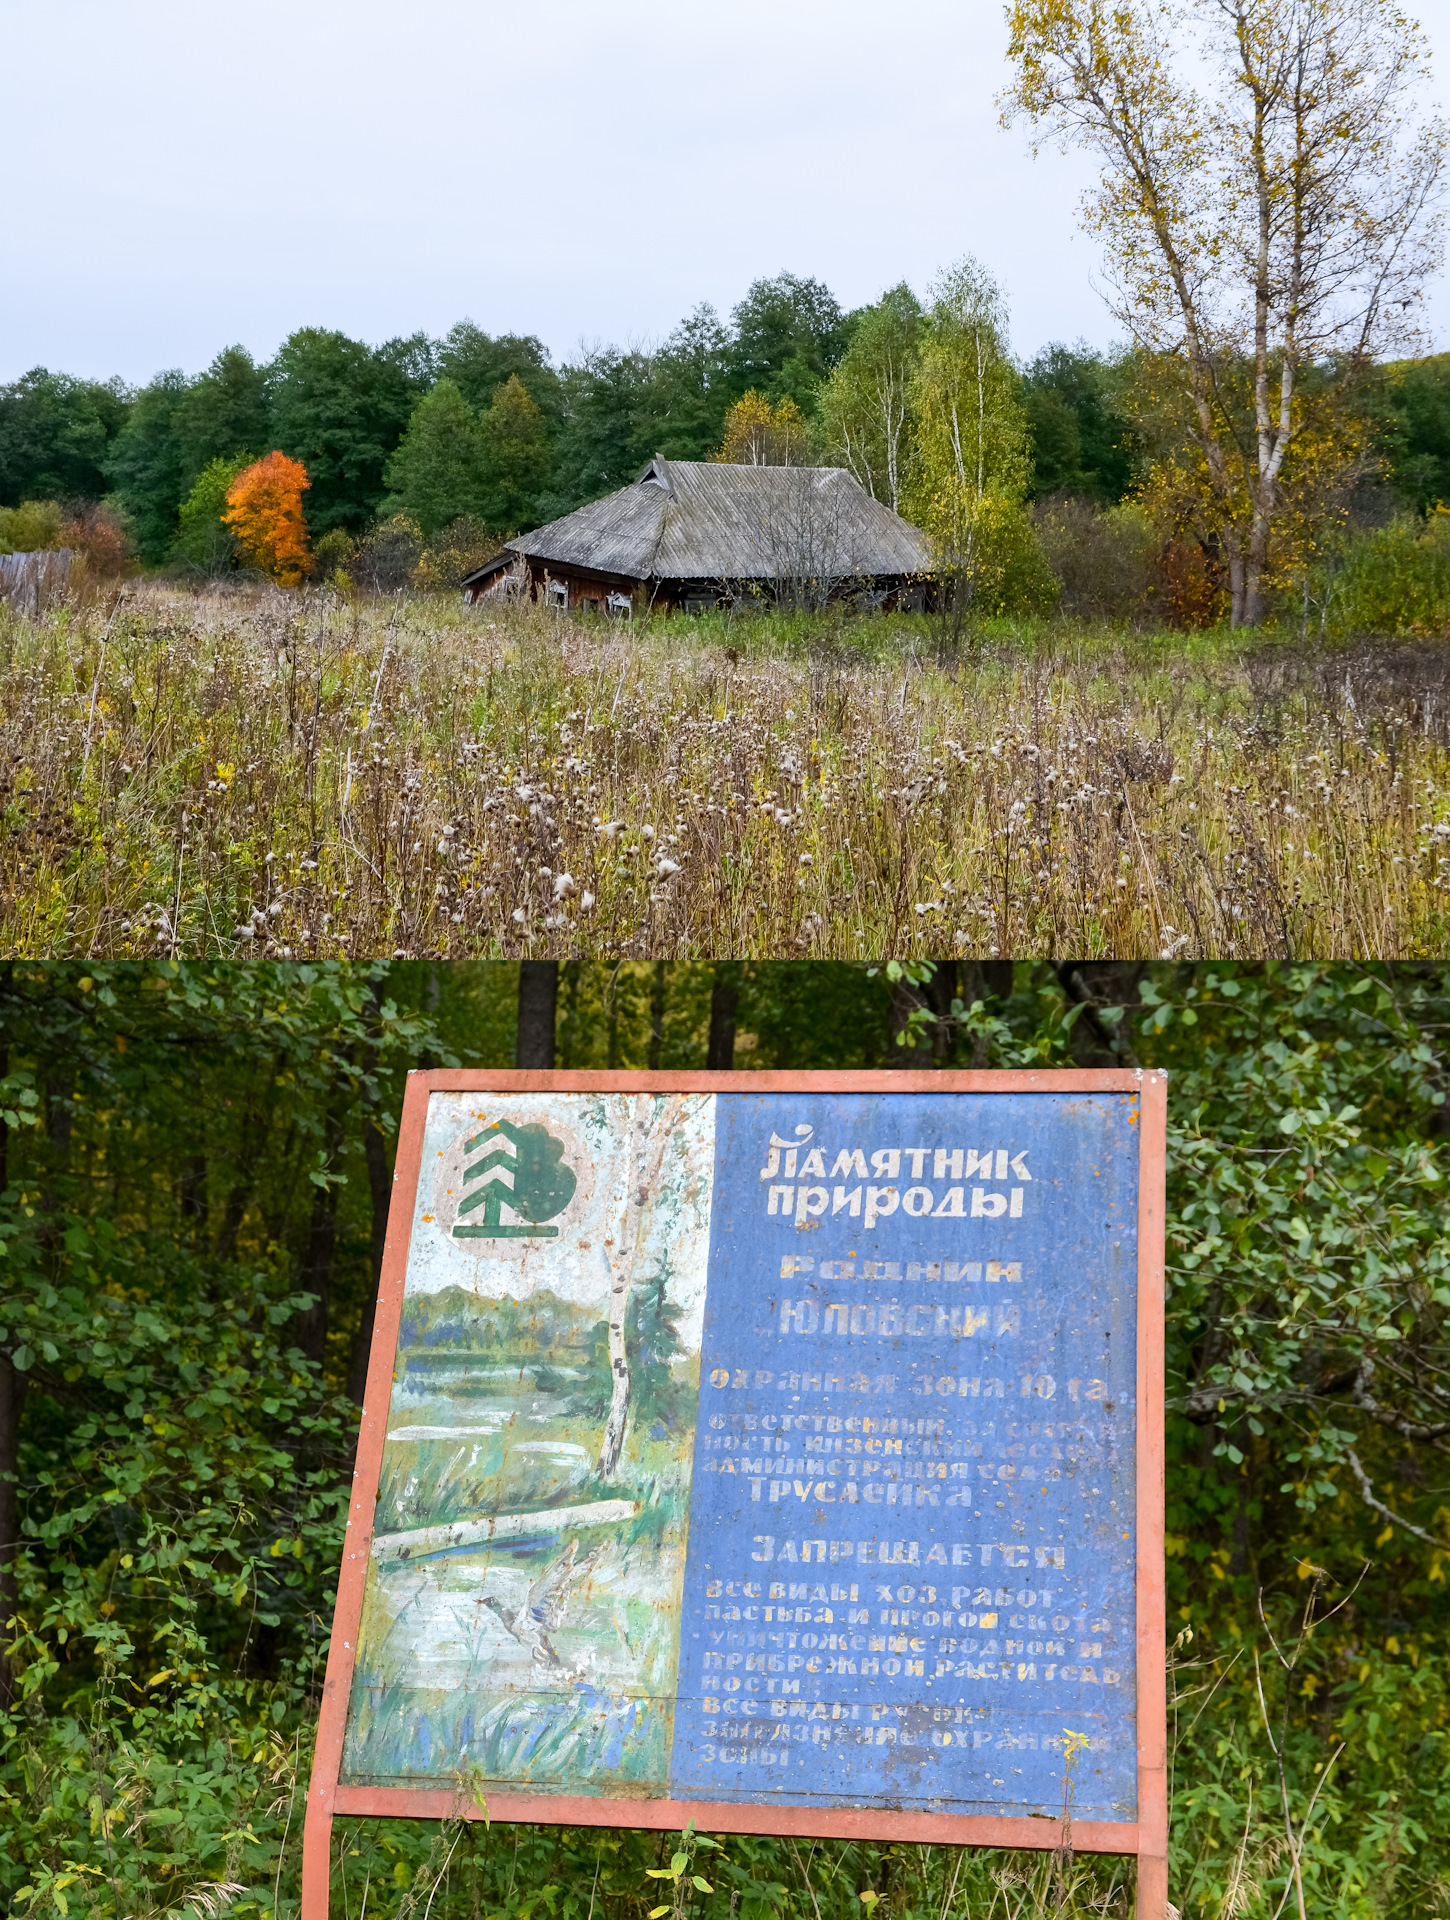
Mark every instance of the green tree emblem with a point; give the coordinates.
(542, 1184)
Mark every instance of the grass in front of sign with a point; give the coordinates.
(259, 773)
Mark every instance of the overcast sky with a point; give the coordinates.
(182, 176)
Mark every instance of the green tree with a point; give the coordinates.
(55, 435)
(1082, 440)
(866, 402)
(515, 462)
(614, 409)
(479, 364)
(789, 333)
(973, 460)
(436, 471)
(145, 464)
(222, 414)
(415, 358)
(608, 423)
(688, 389)
(340, 408)
(202, 541)
(1409, 402)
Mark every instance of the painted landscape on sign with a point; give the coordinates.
(522, 1607)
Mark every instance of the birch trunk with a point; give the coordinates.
(646, 1157)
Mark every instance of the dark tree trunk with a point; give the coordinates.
(12, 1402)
(538, 997)
(191, 1192)
(724, 999)
(657, 1018)
(611, 1058)
(935, 996)
(233, 1214)
(252, 1142)
(317, 1274)
(380, 1187)
(996, 978)
(1097, 985)
(569, 1047)
(321, 1244)
(58, 1113)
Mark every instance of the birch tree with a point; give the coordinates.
(649, 1137)
(1268, 208)
(758, 434)
(972, 458)
(865, 405)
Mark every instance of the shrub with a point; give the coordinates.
(100, 535)
(32, 525)
(389, 555)
(334, 555)
(203, 542)
(1106, 558)
(1192, 588)
(461, 547)
(1393, 580)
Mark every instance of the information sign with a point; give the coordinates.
(778, 1451)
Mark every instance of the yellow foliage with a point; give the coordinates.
(759, 435)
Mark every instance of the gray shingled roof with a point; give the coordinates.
(703, 520)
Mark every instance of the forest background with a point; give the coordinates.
(192, 1211)
(421, 454)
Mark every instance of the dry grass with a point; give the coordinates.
(261, 774)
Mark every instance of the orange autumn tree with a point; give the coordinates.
(264, 513)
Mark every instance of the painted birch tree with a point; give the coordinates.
(650, 1133)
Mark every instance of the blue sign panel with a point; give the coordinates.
(910, 1570)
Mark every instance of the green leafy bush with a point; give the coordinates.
(33, 525)
(203, 542)
(1393, 580)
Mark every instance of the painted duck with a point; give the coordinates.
(548, 1598)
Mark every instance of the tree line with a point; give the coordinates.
(1269, 210)
(538, 439)
(487, 427)
(484, 433)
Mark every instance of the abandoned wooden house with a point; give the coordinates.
(698, 534)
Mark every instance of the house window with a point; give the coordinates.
(556, 594)
(620, 606)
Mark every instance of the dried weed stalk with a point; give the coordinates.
(260, 774)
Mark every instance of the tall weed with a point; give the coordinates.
(259, 774)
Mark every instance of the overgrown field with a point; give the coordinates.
(267, 774)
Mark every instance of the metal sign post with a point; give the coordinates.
(781, 1452)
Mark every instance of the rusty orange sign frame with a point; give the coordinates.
(1146, 1839)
